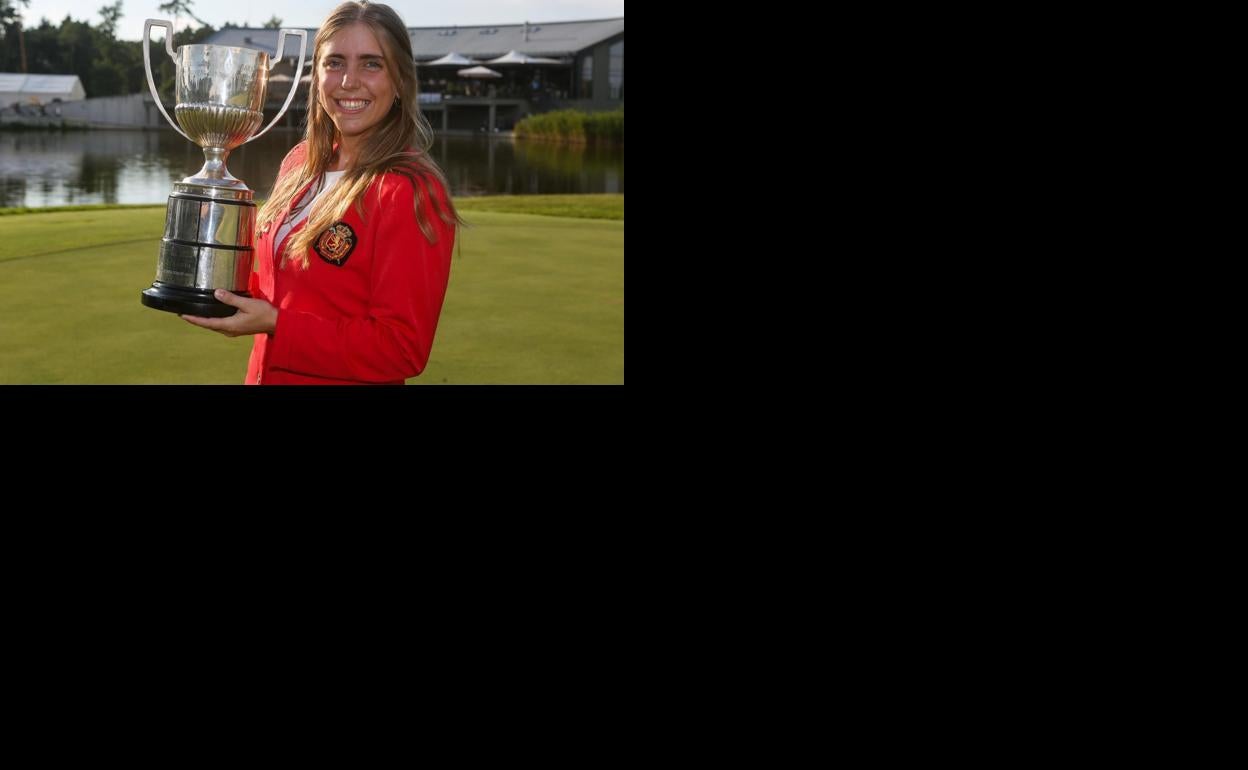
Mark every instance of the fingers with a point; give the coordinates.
(215, 324)
(225, 324)
(254, 316)
(207, 323)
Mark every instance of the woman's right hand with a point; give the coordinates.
(254, 316)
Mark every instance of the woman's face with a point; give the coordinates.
(354, 80)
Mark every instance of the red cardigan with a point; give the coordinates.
(365, 310)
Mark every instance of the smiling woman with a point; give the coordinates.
(353, 246)
(355, 88)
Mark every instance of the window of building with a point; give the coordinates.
(587, 76)
(615, 72)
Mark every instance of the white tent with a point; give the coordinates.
(451, 58)
(515, 57)
(39, 89)
(479, 72)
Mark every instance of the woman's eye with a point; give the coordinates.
(376, 65)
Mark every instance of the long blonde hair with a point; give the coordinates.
(399, 143)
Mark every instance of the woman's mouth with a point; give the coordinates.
(352, 105)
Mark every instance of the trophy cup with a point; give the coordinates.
(210, 216)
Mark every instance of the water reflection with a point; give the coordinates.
(80, 167)
(481, 166)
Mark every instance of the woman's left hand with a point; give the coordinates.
(254, 316)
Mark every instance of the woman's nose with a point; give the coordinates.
(347, 80)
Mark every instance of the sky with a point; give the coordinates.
(310, 13)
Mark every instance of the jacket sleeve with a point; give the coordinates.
(407, 286)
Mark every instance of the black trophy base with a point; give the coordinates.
(181, 300)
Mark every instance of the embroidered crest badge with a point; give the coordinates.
(336, 243)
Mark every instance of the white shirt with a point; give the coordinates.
(329, 179)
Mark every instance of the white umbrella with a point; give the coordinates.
(449, 59)
(479, 72)
(515, 57)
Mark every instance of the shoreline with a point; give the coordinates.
(577, 205)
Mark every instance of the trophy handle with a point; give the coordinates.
(147, 64)
(302, 34)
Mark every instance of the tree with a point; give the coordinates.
(177, 7)
(109, 72)
(273, 23)
(111, 15)
(77, 51)
(11, 18)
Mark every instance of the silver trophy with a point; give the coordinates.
(209, 220)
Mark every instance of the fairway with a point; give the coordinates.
(532, 300)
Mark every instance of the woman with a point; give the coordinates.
(353, 247)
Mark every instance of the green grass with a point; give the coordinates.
(532, 300)
(574, 126)
(87, 207)
(605, 206)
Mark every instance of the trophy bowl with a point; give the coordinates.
(210, 216)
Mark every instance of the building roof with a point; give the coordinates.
(554, 39)
(43, 88)
(561, 38)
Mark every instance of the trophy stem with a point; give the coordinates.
(214, 165)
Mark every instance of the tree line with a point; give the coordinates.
(105, 65)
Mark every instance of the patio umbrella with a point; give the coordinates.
(515, 57)
(451, 58)
(479, 72)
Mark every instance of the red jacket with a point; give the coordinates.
(366, 308)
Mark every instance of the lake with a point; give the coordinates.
(56, 168)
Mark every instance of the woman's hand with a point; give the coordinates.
(254, 316)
